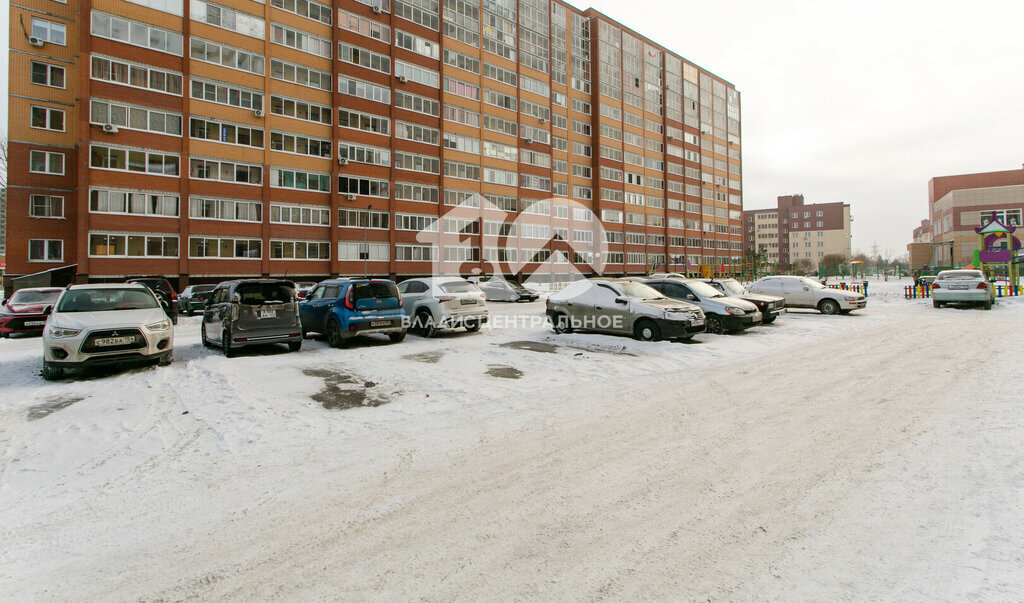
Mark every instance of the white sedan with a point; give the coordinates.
(105, 324)
(962, 286)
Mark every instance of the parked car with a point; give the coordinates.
(104, 324)
(624, 307)
(345, 308)
(23, 313)
(962, 287)
(803, 292)
(303, 288)
(193, 298)
(164, 292)
(252, 312)
(435, 303)
(721, 312)
(770, 306)
(498, 289)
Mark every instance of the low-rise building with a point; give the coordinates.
(794, 230)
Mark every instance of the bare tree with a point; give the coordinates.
(3, 162)
(802, 266)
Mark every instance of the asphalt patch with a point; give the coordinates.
(425, 357)
(504, 372)
(532, 346)
(343, 391)
(50, 406)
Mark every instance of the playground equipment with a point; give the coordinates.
(998, 252)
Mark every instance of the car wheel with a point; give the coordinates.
(425, 323)
(714, 324)
(51, 372)
(174, 319)
(166, 359)
(225, 344)
(828, 306)
(646, 330)
(189, 312)
(333, 333)
(560, 322)
(294, 346)
(473, 326)
(988, 305)
(936, 303)
(397, 337)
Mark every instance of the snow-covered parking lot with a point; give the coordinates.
(876, 455)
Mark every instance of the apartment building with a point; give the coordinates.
(795, 230)
(959, 204)
(204, 140)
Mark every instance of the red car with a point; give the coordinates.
(23, 313)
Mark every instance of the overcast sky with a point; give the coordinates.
(860, 102)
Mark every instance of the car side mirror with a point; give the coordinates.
(4, 302)
(47, 310)
(621, 300)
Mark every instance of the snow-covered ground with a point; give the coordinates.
(877, 455)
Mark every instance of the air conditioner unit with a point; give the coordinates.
(403, 79)
(351, 197)
(258, 112)
(670, 137)
(110, 128)
(529, 141)
(38, 42)
(376, 10)
(543, 120)
(342, 161)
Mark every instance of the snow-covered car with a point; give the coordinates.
(104, 324)
(722, 312)
(962, 287)
(770, 306)
(193, 298)
(498, 289)
(23, 313)
(622, 307)
(445, 302)
(252, 312)
(303, 288)
(803, 292)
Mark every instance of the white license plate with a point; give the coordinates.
(958, 286)
(109, 341)
(35, 323)
(380, 323)
(267, 314)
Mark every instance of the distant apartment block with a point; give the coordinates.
(959, 204)
(211, 139)
(794, 230)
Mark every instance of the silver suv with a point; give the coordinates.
(252, 312)
(445, 302)
(624, 307)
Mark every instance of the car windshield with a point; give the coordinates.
(106, 300)
(813, 284)
(459, 287)
(733, 287)
(203, 288)
(639, 291)
(960, 274)
(704, 289)
(255, 294)
(27, 296)
(373, 290)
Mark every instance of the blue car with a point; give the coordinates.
(345, 308)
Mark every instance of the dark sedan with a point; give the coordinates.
(771, 306)
(23, 313)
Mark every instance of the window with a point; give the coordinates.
(457, 169)
(415, 73)
(133, 160)
(415, 253)
(299, 144)
(417, 104)
(417, 44)
(417, 163)
(299, 74)
(353, 250)
(354, 55)
(364, 121)
(363, 26)
(45, 250)
(407, 191)
(227, 56)
(302, 110)
(299, 40)
(415, 222)
(132, 117)
(136, 76)
(135, 33)
(369, 187)
(45, 206)
(423, 12)
(305, 8)
(300, 250)
(364, 154)
(461, 88)
(362, 218)
(300, 180)
(45, 118)
(226, 94)
(225, 171)
(225, 209)
(48, 31)
(462, 115)
(226, 133)
(360, 89)
(227, 18)
(225, 248)
(45, 74)
(140, 203)
(132, 245)
(46, 162)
